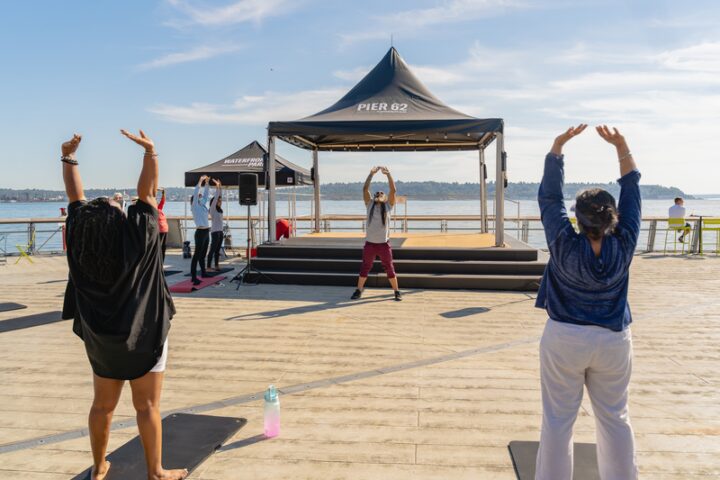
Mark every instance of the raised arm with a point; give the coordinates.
(206, 191)
(366, 188)
(218, 187)
(629, 204)
(71, 171)
(161, 205)
(550, 195)
(148, 181)
(391, 182)
(197, 191)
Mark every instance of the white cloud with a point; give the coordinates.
(237, 12)
(251, 110)
(703, 58)
(410, 22)
(192, 55)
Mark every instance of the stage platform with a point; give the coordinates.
(422, 260)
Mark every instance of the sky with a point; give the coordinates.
(203, 78)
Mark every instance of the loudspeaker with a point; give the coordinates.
(248, 186)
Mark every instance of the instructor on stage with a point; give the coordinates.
(377, 237)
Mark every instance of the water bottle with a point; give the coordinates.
(272, 412)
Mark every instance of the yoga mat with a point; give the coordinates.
(171, 272)
(523, 456)
(29, 321)
(188, 440)
(215, 274)
(186, 286)
(10, 306)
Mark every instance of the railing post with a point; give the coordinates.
(525, 230)
(31, 238)
(652, 231)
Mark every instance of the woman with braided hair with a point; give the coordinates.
(587, 340)
(120, 303)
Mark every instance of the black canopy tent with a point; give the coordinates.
(391, 110)
(250, 159)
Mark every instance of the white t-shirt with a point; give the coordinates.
(375, 231)
(676, 211)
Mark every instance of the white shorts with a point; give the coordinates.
(162, 361)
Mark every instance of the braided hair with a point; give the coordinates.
(383, 210)
(596, 212)
(97, 240)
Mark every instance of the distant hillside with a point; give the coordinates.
(352, 191)
(467, 191)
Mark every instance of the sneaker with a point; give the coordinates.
(681, 239)
(196, 281)
(398, 296)
(356, 295)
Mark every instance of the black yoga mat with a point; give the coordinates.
(188, 440)
(523, 456)
(29, 321)
(10, 306)
(215, 274)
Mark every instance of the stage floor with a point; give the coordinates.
(398, 240)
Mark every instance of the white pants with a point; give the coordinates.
(572, 356)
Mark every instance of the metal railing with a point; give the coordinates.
(45, 235)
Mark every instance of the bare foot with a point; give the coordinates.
(99, 473)
(178, 474)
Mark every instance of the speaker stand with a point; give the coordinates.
(242, 275)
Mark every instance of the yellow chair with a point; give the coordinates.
(676, 225)
(26, 249)
(711, 225)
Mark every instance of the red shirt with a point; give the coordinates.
(162, 221)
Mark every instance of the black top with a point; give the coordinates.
(124, 325)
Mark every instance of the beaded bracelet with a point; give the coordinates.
(69, 160)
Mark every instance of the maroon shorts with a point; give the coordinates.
(373, 250)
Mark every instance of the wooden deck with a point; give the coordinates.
(445, 379)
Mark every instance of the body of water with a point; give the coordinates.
(46, 232)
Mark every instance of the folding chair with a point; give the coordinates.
(677, 226)
(711, 225)
(26, 249)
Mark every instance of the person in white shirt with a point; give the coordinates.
(198, 206)
(678, 211)
(377, 233)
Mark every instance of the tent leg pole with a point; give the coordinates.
(483, 193)
(271, 190)
(316, 190)
(499, 193)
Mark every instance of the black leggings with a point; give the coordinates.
(215, 245)
(163, 243)
(202, 239)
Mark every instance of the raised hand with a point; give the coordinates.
(143, 140)
(374, 170)
(612, 137)
(70, 147)
(563, 138)
(216, 182)
(385, 170)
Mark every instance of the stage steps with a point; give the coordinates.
(519, 268)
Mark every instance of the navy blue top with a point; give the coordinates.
(578, 287)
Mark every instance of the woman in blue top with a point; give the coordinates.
(587, 339)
